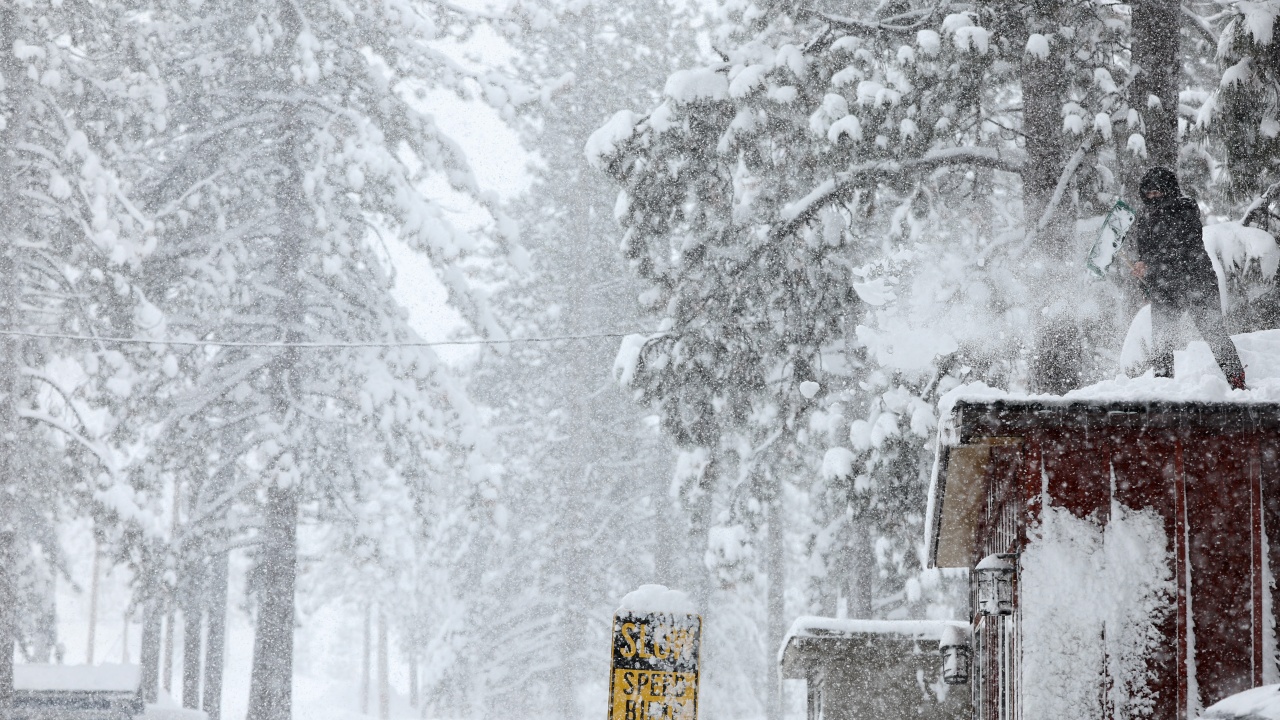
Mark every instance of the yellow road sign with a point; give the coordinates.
(654, 667)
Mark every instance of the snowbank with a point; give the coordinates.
(1260, 703)
(657, 598)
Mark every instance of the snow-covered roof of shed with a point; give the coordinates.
(813, 626)
(1198, 386)
(809, 627)
(1202, 389)
(82, 678)
(1196, 379)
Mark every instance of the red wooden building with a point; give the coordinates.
(1139, 540)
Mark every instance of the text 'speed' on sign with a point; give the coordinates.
(654, 673)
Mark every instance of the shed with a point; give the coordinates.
(1143, 533)
(75, 692)
(883, 669)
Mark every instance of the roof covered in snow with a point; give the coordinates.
(1197, 379)
(975, 417)
(84, 678)
(77, 692)
(812, 636)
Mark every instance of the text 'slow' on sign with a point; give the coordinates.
(654, 667)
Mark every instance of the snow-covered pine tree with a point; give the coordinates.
(295, 143)
(70, 242)
(588, 479)
(880, 202)
(1242, 111)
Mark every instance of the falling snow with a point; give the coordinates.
(363, 359)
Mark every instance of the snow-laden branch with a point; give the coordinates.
(1059, 190)
(1200, 25)
(884, 27)
(64, 393)
(845, 183)
(174, 205)
(1260, 203)
(96, 449)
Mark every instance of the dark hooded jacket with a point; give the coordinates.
(1168, 238)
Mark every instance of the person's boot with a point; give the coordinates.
(1162, 364)
(1236, 380)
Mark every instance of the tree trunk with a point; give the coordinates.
(166, 670)
(366, 662)
(124, 640)
(1154, 91)
(384, 681)
(1058, 358)
(10, 69)
(215, 645)
(271, 684)
(93, 604)
(699, 533)
(191, 647)
(1044, 89)
(150, 651)
(8, 589)
(1057, 365)
(414, 694)
(862, 570)
(776, 572)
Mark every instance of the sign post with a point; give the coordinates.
(654, 666)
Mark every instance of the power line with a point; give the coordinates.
(304, 345)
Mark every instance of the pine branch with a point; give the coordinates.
(882, 27)
(845, 183)
(1059, 190)
(96, 449)
(1200, 25)
(1260, 204)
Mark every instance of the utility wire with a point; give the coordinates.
(316, 345)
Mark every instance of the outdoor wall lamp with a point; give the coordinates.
(994, 575)
(956, 655)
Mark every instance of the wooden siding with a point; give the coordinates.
(1211, 472)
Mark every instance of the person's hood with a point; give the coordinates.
(1162, 179)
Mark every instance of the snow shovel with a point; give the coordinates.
(1114, 226)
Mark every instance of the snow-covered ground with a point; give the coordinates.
(327, 653)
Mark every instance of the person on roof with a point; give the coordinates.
(1177, 275)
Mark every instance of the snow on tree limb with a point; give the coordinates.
(1200, 25)
(1068, 172)
(921, 18)
(845, 183)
